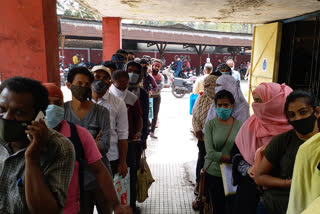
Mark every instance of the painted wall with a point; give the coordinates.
(29, 40)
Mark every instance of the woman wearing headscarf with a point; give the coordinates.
(199, 115)
(241, 110)
(267, 121)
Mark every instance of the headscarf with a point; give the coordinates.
(267, 121)
(241, 106)
(209, 84)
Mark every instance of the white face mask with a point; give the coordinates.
(133, 78)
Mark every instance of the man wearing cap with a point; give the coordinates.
(118, 119)
(156, 95)
(79, 136)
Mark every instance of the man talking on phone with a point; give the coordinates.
(34, 174)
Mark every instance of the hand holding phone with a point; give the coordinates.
(39, 116)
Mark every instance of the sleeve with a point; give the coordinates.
(58, 175)
(136, 109)
(161, 85)
(196, 123)
(300, 184)
(153, 83)
(273, 151)
(212, 154)
(122, 121)
(106, 130)
(91, 151)
(145, 114)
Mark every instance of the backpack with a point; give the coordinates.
(78, 148)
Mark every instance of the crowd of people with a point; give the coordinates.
(273, 154)
(66, 163)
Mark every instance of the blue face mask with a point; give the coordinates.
(224, 113)
(54, 115)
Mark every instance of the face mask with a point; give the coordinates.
(304, 126)
(80, 93)
(224, 113)
(226, 73)
(13, 130)
(100, 86)
(54, 115)
(118, 93)
(133, 78)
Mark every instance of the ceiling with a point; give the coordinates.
(227, 11)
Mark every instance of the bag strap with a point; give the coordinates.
(223, 143)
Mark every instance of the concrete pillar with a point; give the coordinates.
(112, 38)
(29, 40)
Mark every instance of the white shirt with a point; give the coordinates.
(198, 85)
(118, 122)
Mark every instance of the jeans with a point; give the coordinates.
(200, 161)
(156, 108)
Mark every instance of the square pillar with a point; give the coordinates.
(111, 36)
(29, 40)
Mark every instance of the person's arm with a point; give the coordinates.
(196, 123)
(122, 132)
(39, 197)
(106, 131)
(145, 114)
(153, 83)
(139, 123)
(196, 87)
(264, 178)
(212, 154)
(105, 182)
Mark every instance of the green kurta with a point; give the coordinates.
(214, 137)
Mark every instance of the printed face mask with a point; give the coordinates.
(13, 130)
(100, 86)
(54, 115)
(224, 113)
(304, 126)
(80, 93)
(133, 78)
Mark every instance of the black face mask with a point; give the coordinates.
(304, 126)
(13, 130)
(80, 93)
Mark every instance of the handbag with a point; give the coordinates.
(144, 179)
(197, 204)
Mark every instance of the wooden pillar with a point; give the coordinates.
(200, 51)
(112, 38)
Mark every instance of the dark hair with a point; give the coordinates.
(132, 63)
(223, 67)
(122, 51)
(144, 61)
(216, 73)
(79, 70)
(224, 94)
(306, 96)
(25, 85)
(118, 74)
(130, 52)
(109, 64)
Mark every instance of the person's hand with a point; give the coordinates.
(144, 144)
(122, 169)
(225, 158)
(98, 138)
(123, 209)
(287, 182)
(199, 135)
(39, 134)
(137, 135)
(251, 173)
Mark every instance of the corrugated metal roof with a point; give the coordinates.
(75, 28)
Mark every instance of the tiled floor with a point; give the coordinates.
(172, 191)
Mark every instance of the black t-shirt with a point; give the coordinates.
(281, 152)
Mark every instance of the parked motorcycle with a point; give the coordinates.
(168, 76)
(180, 86)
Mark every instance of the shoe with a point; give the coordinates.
(137, 210)
(153, 136)
(196, 190)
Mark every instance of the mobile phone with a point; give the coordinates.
(39, 116)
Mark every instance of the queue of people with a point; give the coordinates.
(273, 154)
(65, 162)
